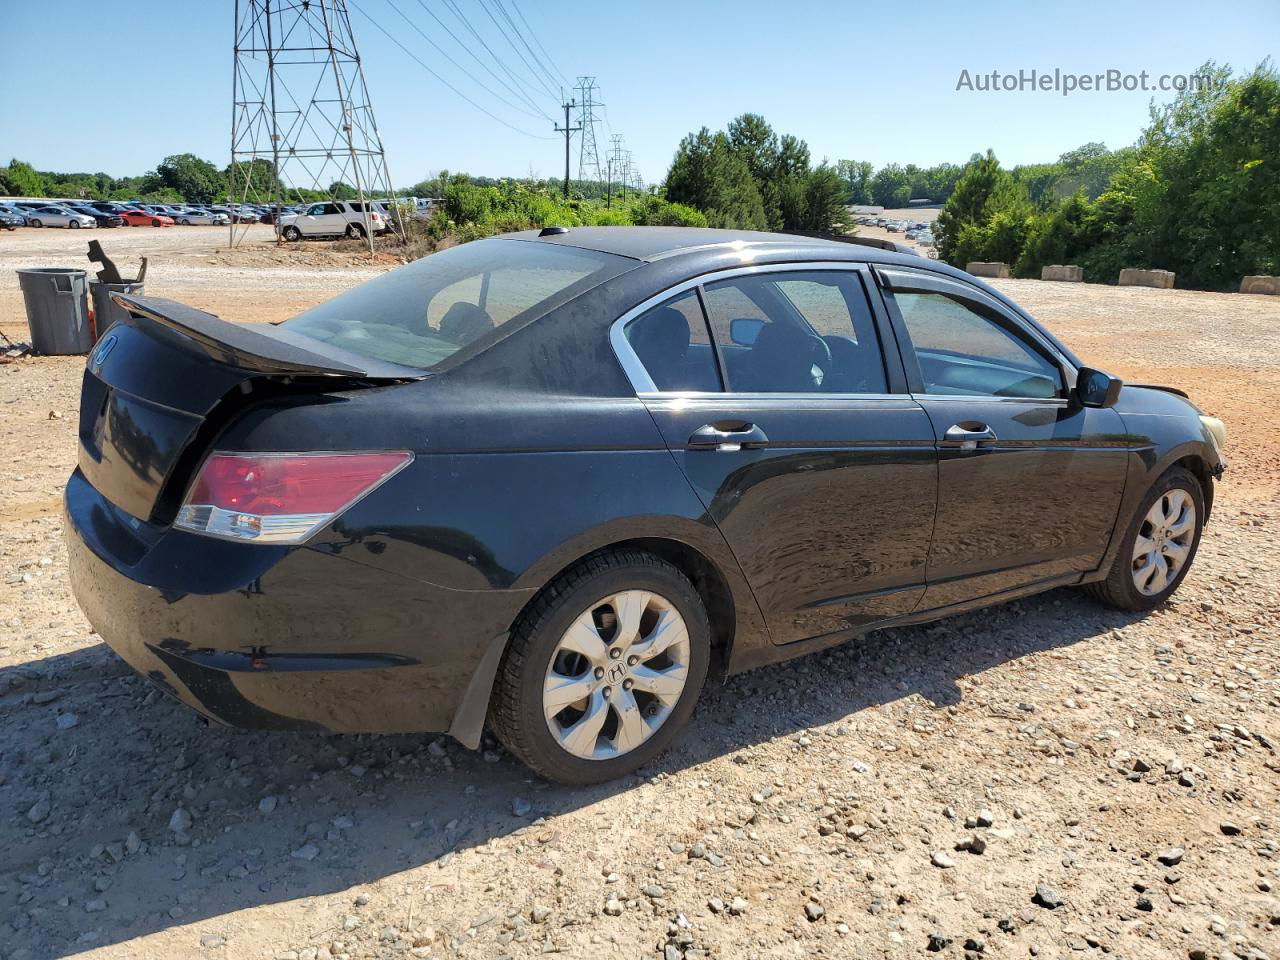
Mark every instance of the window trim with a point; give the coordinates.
(915, 281)
(645, 388)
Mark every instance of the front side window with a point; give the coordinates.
(965, 352)
(423, 313)
(671, 342)
(796, 332)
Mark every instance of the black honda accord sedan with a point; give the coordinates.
(554, 481)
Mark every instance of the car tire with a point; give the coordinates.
(292, 233)
(36, 223)
(156, 223)
(586, 592)
(1123, 587)
(73, 224)
(185, 222)
(355, 231)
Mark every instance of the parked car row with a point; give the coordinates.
(330, 218)
(76, 214)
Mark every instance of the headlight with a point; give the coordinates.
(1218, 430)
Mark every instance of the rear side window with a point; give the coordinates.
(421, 314)
(796, 332)
(671, 341)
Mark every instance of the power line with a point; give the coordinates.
(520, 14)
(465, 72)
(516, 30)
(453, 8)
(534, 73)
(519, 92)
(420, 63)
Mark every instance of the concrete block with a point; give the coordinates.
(1000, 270)
(1133, 277)
(1068, 273)
(1269, 285)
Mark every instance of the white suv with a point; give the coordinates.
(332, 218)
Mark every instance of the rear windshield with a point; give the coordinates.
(421, 314)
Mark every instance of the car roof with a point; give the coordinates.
(657, 243)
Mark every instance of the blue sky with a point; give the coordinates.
(873, 81)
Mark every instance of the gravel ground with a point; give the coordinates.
(1046, 778)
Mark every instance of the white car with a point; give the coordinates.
(331, 218)
(200, 218)
(59, 217)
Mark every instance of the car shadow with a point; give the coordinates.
(365, 807)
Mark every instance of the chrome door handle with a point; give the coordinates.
(968, 434)
(727, 436)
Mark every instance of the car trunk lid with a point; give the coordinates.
(161, 385)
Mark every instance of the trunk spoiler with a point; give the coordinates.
(244, 348)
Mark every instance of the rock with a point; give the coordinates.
(96, 905)
(211, 940)
(697, 852)
(652, 891)
(715, 905)
(1171, 857)
(1047, 897)
(986, 818)
(1144, 904)
(941, 860)
(132, 843)
(306, 852)
(539, 913)
(612, 907)
(938, 942)
(520, 806)
(66, 721)
(671, 952)
(1228, 828)
(813, 911)
(268, 804)
(180, 821)
(738, 906)
(39, 811)
(975, 844)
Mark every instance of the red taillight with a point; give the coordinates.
(280, 497)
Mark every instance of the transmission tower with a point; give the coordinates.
(588, 158)
(301, 116)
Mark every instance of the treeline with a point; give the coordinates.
(181, 178)
(479, 207)
(749, 177)
(1199, 195)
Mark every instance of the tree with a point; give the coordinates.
(341, 191)
(708, 175)
(194, 179)
(824, 196)
(983, 191)
(21, 180)
(857, 177)
(888, 186)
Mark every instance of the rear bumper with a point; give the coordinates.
(277, 638)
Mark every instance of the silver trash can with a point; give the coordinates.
(57, 310)
(105, 310)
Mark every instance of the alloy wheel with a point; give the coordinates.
(616, 675)
(1164, 541)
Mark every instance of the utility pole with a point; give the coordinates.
(300, 105)
(588, 156)
(568, 132)
(608, 201)
(615, 164)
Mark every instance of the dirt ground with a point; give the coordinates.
(1120, 774)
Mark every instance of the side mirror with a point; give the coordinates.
(1097, 389)
(744, 330)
